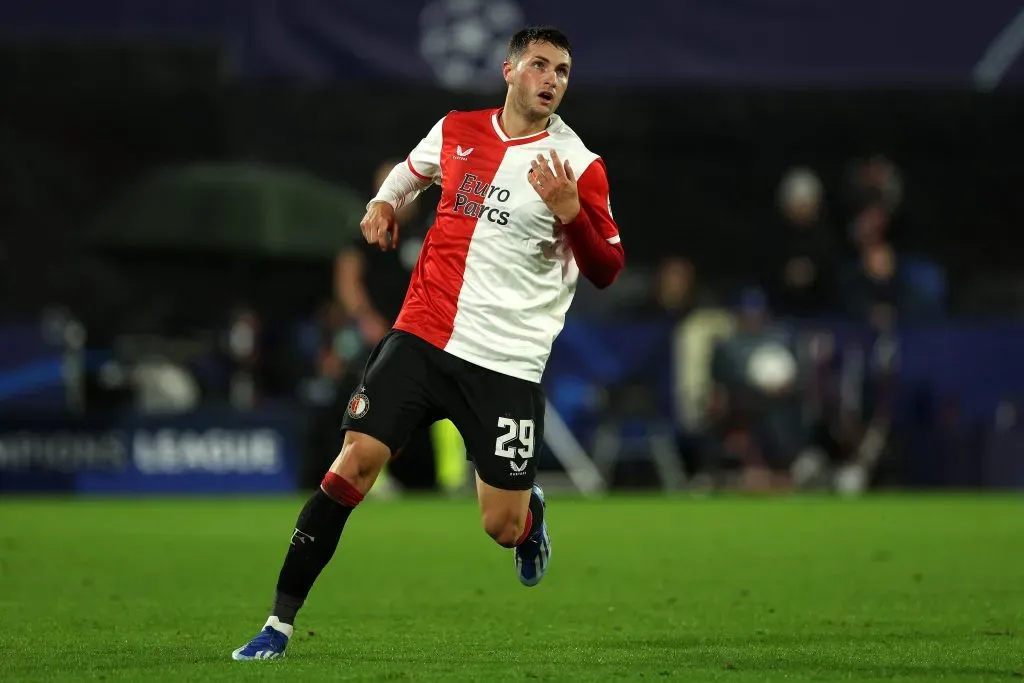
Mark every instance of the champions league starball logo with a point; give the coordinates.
(465, 41)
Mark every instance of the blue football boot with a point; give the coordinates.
(268, 644)
(534, 554)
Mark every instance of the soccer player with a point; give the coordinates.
(524, 210)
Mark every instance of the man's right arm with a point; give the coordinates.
(420, 170)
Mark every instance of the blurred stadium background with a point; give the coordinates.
(820, 205)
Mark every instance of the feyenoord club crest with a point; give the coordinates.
(358, 406)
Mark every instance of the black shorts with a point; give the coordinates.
(408, 384)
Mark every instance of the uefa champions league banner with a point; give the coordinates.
(206, 452)
(460, 43)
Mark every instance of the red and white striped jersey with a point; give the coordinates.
(496, 273)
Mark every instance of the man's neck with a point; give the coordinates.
(517, 126)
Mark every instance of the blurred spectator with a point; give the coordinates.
(882, 286)
(675, 291)
(802, 277)
(849, 402)
(874, 180)
(873, 288)
(869, 382)
(339, 350)
(242, 342)
(755, 414)
(370, 286)
(341, 344)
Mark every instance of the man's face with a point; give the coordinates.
(538, 80)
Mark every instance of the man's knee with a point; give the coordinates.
(361, 459)
(504, 526)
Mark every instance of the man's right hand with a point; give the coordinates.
(379, 226)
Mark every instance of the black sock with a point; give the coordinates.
(537, 512)
(316, 537)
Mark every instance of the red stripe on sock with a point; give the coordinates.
(338, 488)
(527, 528)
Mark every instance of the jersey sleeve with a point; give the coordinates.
(425, 159)
(593, 235)
(421, 168)
(400, 187)
(595, 200)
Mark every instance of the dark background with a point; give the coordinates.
(698, 111)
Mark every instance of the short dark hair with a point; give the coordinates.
(537, 34)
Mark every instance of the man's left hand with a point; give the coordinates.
(556, 186)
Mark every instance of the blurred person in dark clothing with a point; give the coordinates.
(851, 396)
(873, 288)
(869, 385)
(675, 291)
(878, 287)
(802, 280)
(336, 346)
(874, 180)
(370, 285)
(755, 407)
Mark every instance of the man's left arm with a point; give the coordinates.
(593, 235)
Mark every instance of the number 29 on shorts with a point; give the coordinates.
(512, 430)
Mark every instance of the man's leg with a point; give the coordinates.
(323, 518)
(515, 519)
(316, 536)
(506, 515)
(501, 419)
(382, 413)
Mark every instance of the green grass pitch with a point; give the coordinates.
(640, 588)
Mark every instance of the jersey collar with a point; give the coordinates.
(496, 124)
